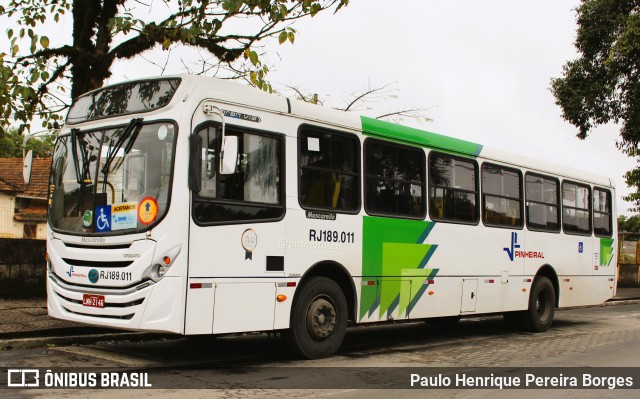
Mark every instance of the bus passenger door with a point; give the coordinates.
(235, 256)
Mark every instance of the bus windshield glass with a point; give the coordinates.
(113, 180)
(123, 99)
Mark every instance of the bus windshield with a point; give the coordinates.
(111, 181)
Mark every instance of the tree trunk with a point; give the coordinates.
(91, 40)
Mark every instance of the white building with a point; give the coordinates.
(23, 208)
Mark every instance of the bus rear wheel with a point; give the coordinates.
(542, 303)
(318, 319)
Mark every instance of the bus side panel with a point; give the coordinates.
(482, 253)
(441, 298)
(199, 313)
(241, 306)
(315, 238)
(605, 265)
(568, 255)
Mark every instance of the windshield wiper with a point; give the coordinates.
(132, 130)
(74, 153)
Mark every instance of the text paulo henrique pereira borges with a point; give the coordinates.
(461, 380)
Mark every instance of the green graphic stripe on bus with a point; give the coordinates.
(606, 251)
(395, 253)
(374, 127)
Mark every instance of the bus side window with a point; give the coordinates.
(501, 196)
(576, 208)
(453, 189)
(542, 201)
(394, 179)
(329, 172)
(602, 212)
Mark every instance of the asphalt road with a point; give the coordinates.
(380, 356)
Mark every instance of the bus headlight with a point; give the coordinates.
(159, 270)
(161, 265)
(156, 272)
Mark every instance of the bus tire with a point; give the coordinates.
(318, 319)
(542, 304)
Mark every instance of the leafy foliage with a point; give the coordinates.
(37, 79)
(603, 84)
(11, 145)
(630, 224)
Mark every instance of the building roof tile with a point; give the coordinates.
(11, 179)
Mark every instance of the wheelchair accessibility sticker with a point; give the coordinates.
(103, 218)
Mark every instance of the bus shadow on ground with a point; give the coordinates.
(257, 349)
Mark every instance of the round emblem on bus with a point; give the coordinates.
(147, 210)
(87, 218)
(94, 276)
(249, 242)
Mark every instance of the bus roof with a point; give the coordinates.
(202, 87)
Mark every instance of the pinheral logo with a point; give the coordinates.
(514, 250)
(514, 245)
(73, 273)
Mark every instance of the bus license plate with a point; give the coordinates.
(94, 301)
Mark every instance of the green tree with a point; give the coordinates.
(11, 145)
(629, 225)
(603, 84)
(36, 79)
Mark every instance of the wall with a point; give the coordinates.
(22, 268)
(9, 228)
(629, 276)
(628, 265)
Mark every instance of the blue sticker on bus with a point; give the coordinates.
(103, 218)
(94, 276)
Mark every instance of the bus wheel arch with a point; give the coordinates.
(549, 272)
(339, 274)
(320, 312)
(541, 304)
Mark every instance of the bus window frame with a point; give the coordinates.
(305, 127)
(593, 213)
(558, 203)
(520, 198)
(135, 81)
(233, 128)
(588, 187)
(169, 191)
(473, 161)
(366, 176)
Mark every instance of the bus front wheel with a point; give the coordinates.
(318, 319)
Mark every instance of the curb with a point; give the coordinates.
(52, 341)
(622, 301)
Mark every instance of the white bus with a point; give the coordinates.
(192, 205)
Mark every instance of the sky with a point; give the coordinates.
(481, 68)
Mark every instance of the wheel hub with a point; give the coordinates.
(321, 319)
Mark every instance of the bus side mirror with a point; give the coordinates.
(229, 157)
(195, 162)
